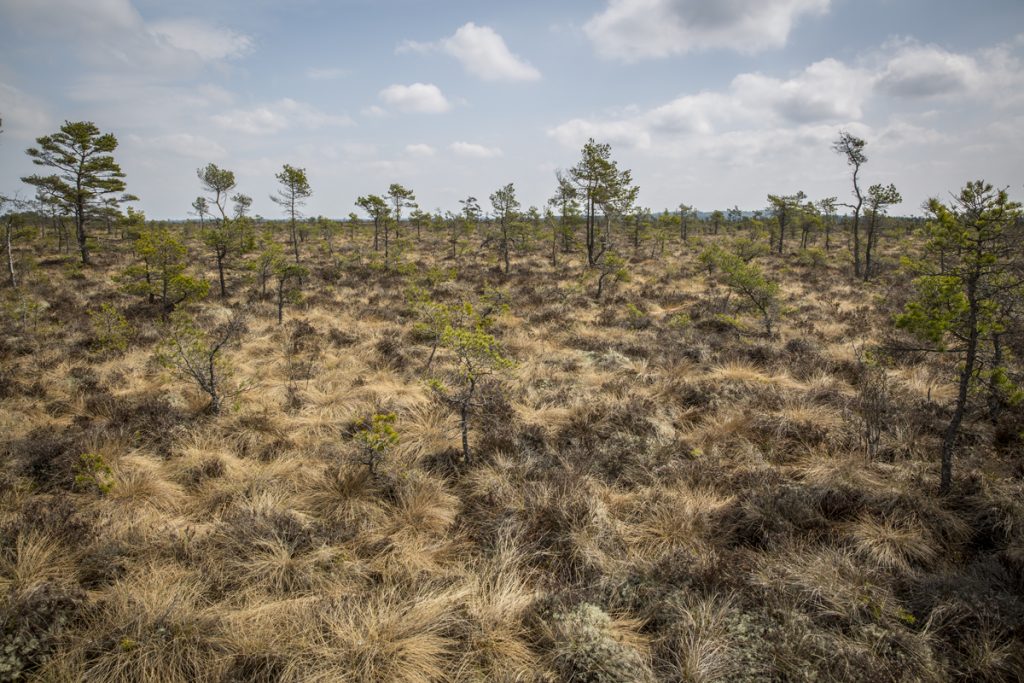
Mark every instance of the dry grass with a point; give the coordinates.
(670, 498)
(901, 545)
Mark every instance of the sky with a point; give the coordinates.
(712, 104)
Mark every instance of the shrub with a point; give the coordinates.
(747, 280)
(92, 473)
(812, 257)
(110, 328)
(376, 436)
(589, 646)
(636, 319)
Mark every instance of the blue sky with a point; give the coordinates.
(713, 104)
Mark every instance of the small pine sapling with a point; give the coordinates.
(376, 437)
(197, 354)
(476, 357)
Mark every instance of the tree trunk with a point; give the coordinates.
(856, 224)
(591, 234)
(10, 256)
(995, 399)
(464, 419)
(220, 273)
(869, 244)
(212, 386)
(554, 245)
(295, 237)
(504, 247)
(953, 430)
(83, 245)
(280, 301)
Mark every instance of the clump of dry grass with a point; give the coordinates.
(265, 546)
(154, 626)
(495, 639)
(663, 521)
(896, 544)
(700, 641)
(138, 483)
(389, 635)
(32, 560)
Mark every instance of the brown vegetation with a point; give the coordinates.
(658, 489)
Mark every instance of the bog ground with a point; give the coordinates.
(657, 489)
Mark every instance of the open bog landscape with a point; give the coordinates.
(726, 387)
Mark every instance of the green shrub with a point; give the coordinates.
(376, 436)
(636, 319)
(92, 473)
(812, 258)
(110, 328)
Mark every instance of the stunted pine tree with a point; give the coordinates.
(289, 280)
(880, 198)
(598, 181)
(974, 257)
(399, 197)
(269, 255)
(476, 356)
(294, 192)
(827, 209)
(852, 148)
(377, 209)
(786, 209)
(716, 218)
(748, 280)
(86, 173)
(463, 228)
(610, 269)
(244, 229)
(686, 214)
(565, 201)
(219, 182)
(242, 205)
(506, 209)
(197, 354)
(161, 274)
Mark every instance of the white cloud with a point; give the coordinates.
(374, 111)
(908, 70)
(482, 52)
(69, 16)
(211, 43)
(326, 73)
(825, 92)
(183, 144)
(422, 98)
(112, 34)
(474, 151)
(927, 70)
(629, 133)
(420, 150)
(631, 30)
(24, 117)
(278, 116)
